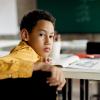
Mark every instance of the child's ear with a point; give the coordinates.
(24, 35)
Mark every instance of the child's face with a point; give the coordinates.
(41, 38)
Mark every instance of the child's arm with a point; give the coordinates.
(57, 77)
(15, 68)
(18, 68)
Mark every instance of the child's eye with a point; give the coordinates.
(41, 34)
(51, 36)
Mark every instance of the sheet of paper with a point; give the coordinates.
(73, 61)
(86, 64)
(66, 60)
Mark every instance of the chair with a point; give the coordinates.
(94, 48)
(34, 88)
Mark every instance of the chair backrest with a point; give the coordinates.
(33, 88)
(93, 47)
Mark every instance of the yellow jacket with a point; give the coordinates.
(19, 63)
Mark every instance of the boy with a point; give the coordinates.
(37, 35)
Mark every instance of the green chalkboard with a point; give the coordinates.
(74, 15)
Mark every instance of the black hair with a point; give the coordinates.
(30, 20)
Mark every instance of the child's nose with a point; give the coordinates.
(47, 40)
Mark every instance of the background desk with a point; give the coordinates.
(83, 75)
(7, 43)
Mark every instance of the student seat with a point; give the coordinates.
(34, 88)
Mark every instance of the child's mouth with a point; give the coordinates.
(47, 49)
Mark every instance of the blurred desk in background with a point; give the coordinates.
(74, 46)
(84, 75)
(3, 53)
(7, 43)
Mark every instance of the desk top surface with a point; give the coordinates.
(83, 69)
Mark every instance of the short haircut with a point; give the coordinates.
(30, 20)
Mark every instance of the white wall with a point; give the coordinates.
(8, 17)
(24, 6)
(11, 13)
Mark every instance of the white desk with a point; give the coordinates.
(84, 70)
(90, 74)
(4, 53)
(7, 43)
(84, 76)
(76, 68)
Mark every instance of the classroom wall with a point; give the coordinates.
(24, 6)
(15, 9)
(8, 17)
(11, 13)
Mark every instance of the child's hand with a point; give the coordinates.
(57, 78)
(47, 60)
(41, 64)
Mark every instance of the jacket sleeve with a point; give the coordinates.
(15, 68)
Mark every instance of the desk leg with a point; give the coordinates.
(86, 89)
(81, 89)
(64, 92)
(69, 89)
